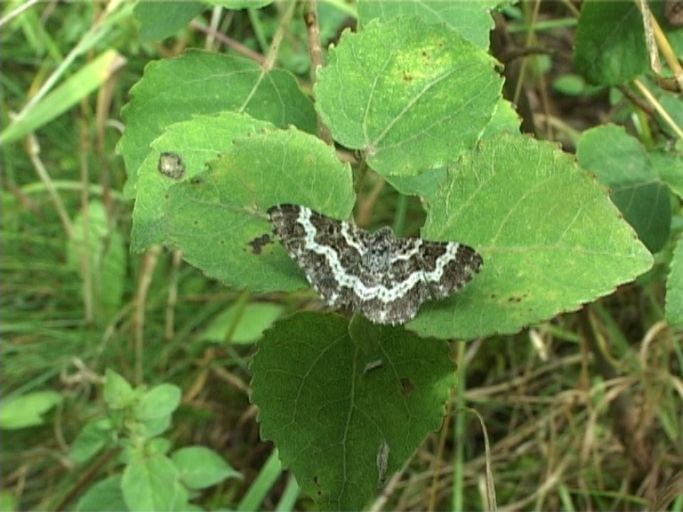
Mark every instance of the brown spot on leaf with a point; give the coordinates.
(516, 298)
(407, 386)
(171, 165)
(259, 242)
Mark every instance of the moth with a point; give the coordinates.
(376, 274)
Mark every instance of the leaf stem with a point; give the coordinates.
(279, 36)
(316, 53)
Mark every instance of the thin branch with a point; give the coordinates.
(145, 280)
(658, 107)
(316, 53)
(243, 50)
(279, 36)
(34, 152)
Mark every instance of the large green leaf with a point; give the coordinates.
(411, 95)
(197, 141)
(610, 42)
(218, 218)
(347, 406)
(622, 163)
(427, 184)
(674, 288)
(471, 19)
(199, 82)
(550, 238)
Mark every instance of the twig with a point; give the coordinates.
(33, 152)
(669, 54)
(365, 207)
(148, 266)
(169, 322)
(637, 100)
(279, 36)
(230, 43)
(316, 53)
(658, 107)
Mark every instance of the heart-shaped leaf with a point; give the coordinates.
(414, 95)
(347, 406)
(549, 235)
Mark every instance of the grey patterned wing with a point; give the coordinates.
(399, 289)
(326, 249)
(448, 266)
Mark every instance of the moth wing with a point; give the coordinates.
(448, 266)
(320, 246)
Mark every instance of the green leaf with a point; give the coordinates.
(152, 427)
(669, 168)
(471, 19)
(158, 402)
(610, 42)
(570, 84)
(674, 288)
(200, 467)
(8, 501)
(92, 438)
(117, 392)
(152, 484)
(427, 184)
(160, 19)
(252, 319)
(189, 140)
(101, 247)
(504, 120)
(549, 236)
(158, 445)
(27, 410)
(218, 219)
(103, 496)
(206, 83)
(86, 80)
(335, 405)
(673, 106)
(621, 163)
(412, 96)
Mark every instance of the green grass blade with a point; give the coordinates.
(73, 90)
(264, 481)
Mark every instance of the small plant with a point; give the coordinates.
(151, 478)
